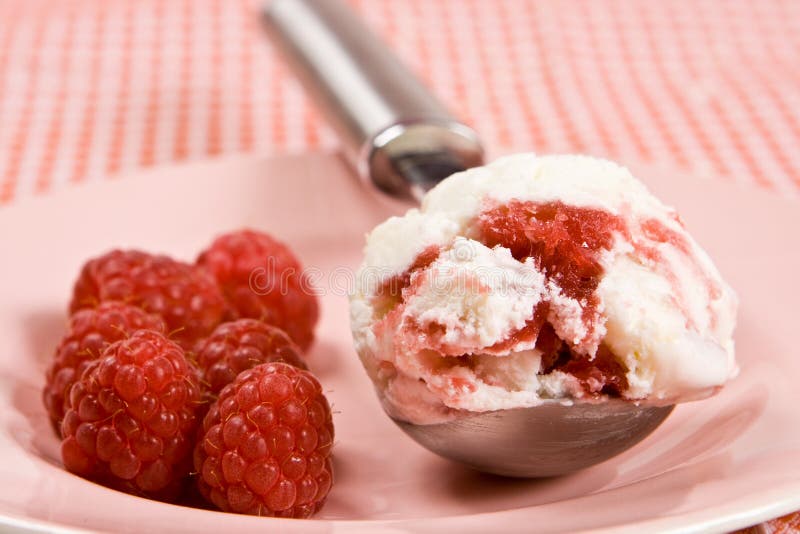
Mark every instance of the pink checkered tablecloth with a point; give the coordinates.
(91, 89)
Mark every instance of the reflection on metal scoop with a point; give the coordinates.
(547, 440)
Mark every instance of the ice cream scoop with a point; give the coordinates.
(464, 370)
(549, 307)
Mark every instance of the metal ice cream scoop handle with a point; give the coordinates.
(404, 141)
(398, 135)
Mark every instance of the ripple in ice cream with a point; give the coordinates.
(535, 279)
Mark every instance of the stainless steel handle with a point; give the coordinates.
(395, 132)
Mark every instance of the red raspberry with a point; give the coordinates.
(186, 297)
(262, 279)
(131, 417)
(90, 332)
(239, 345)
(265, 445)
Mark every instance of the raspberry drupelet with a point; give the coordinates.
(187, 298)
(265, 445)
(263, 279)
(236, 346)
(90, 332)
(131, 417)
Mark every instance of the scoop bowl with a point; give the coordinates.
(547, 440)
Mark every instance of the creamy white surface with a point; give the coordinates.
(676, 347)
(478, 294)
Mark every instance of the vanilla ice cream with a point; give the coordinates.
(534, 279)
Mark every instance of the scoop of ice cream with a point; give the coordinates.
(539, 278)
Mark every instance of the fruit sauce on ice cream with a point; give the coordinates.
(538, 279)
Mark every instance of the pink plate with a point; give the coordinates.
(718, 464)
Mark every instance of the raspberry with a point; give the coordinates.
(239, 345)
(265, 445)
(186, 297)
(90, 332)
(262, 279)
(131, 416)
